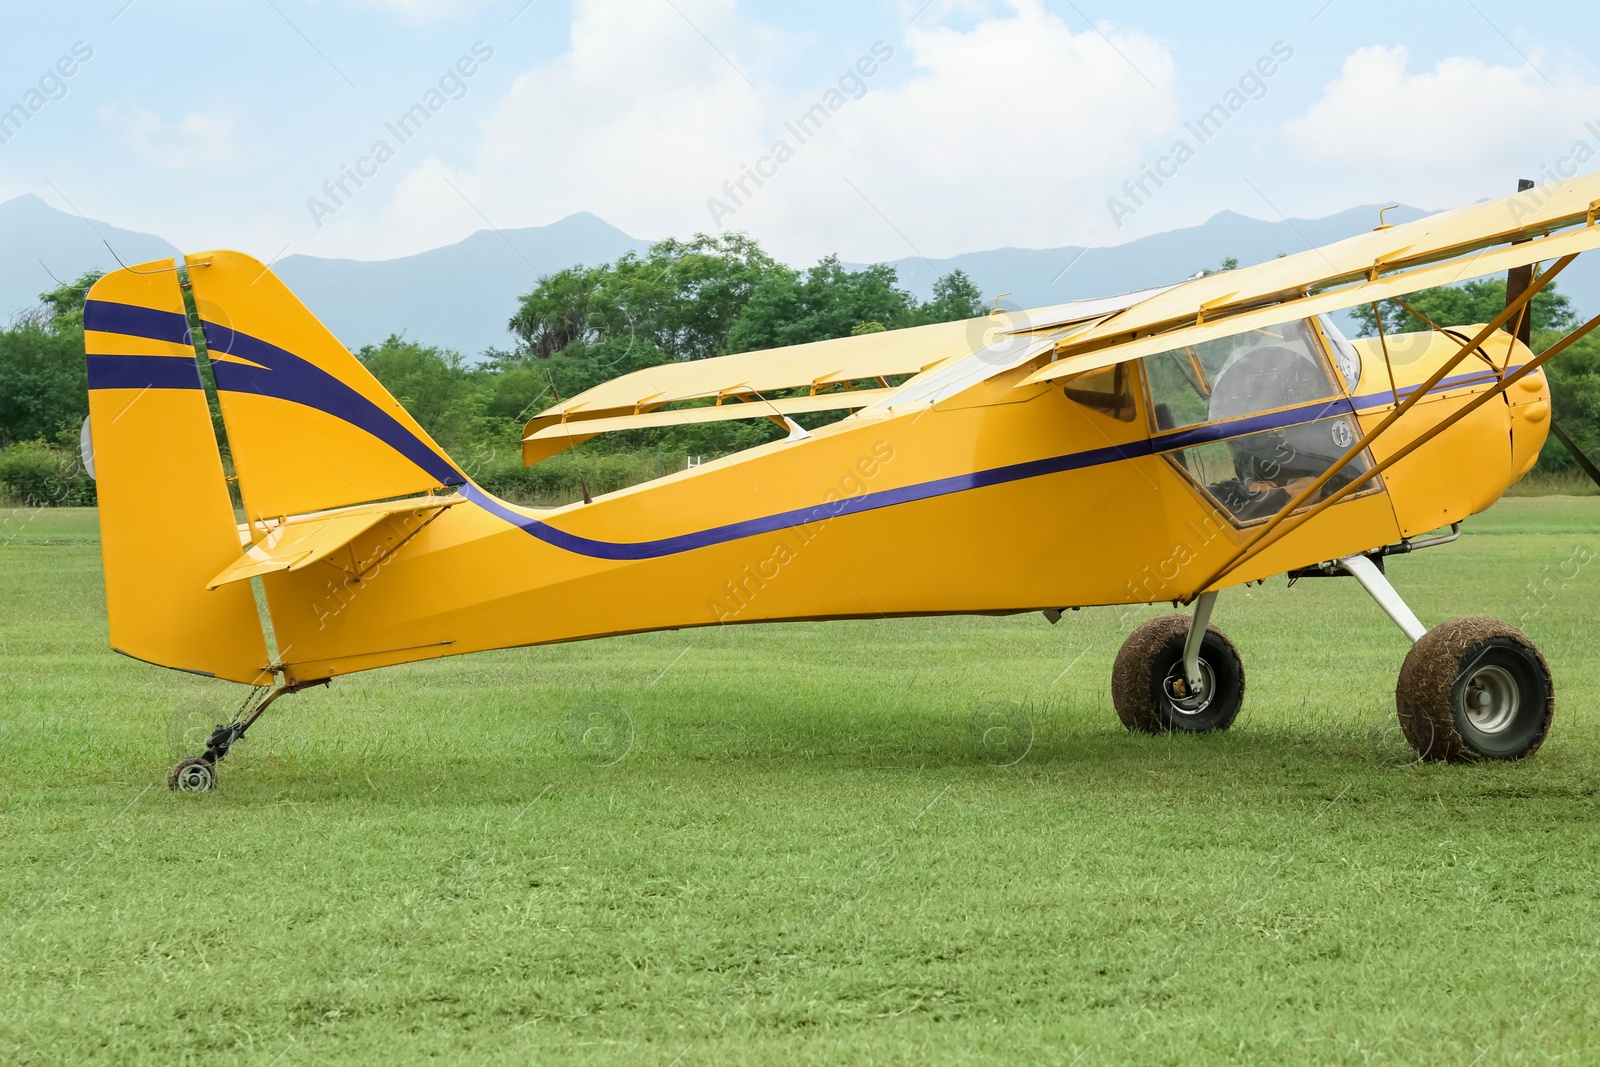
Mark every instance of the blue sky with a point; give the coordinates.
(935, 130)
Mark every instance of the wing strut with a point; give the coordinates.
(1272, 531)
(1577, 453)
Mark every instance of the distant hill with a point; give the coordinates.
(36, 241)
(460, 296)
(1037, 277)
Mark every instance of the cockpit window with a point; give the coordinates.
(1232, 377)
(1105, 390)
(1251, 476)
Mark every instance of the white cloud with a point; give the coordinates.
(195, 139)
(1443, 136)
(1009, 132)
(416, 11)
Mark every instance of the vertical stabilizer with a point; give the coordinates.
(167, 525)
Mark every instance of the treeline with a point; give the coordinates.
(681, 300)
(578, 327)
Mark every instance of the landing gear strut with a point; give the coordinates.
(198, 774)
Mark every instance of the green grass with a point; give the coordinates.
(808, 855)
(1554, 483)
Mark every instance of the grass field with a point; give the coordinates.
(874, 842)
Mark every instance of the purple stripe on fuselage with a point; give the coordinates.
(288, 377)
(666, 546)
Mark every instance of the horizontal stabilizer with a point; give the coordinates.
(298, 543)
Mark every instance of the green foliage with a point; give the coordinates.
(36, 475)
(955, 297)
(436, 386)
(678, 301)
(824, 302)
(689, 300)
(711, 296)
(1575, 396)
(43, 380)
(1468, 304)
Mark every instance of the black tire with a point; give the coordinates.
(193, 775)
(1151, 662)
(1474, 689)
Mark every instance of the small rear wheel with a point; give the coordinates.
(1148, 686)
(1474, 689)
(193, 775)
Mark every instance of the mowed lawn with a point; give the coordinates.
(872, 842)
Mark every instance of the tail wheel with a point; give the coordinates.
(1148, 685)
(193, 775)
(1474, 689)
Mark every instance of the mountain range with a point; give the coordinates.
(461, 296)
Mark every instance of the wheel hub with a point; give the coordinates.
(1185, 702)
(195, 778)
(1491, 698)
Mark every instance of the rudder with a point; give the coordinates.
(309, 427)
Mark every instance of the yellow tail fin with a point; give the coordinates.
(166, 522)
(309, 427)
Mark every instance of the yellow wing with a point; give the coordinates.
(1453, 246)
(746, 408)
(752, 376)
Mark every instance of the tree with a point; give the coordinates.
(955, 297)
(557, 312)
(679, 300)
(824, 302)
(435, 385)
(43, 377)
(1575, 397)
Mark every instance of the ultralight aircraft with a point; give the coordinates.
(1164, 445)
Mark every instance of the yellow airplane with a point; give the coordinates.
(1159, 446)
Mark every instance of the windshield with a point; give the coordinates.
(1254, 474)
(1248, 373)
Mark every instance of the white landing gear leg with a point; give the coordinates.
(1191, 644)
(1377, 586)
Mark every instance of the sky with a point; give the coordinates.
(876, 129)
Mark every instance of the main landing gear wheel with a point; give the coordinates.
(195, 774)
(1474, 689)
(1148, 685)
